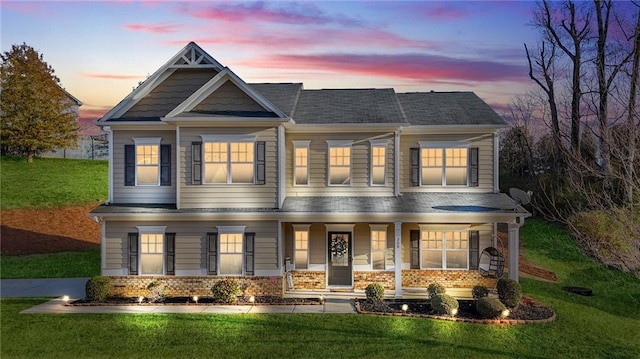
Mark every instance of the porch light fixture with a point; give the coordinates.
(505, 313)
(140, 299)
(405, 307)
(65, 299)
(195, 299)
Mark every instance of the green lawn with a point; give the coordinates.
(602, 326)
(51, 265)
(51, 182)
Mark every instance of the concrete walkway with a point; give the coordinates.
(58, 305)
(74, 288)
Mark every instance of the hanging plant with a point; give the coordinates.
(339, 246)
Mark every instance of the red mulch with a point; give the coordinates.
(31, 231)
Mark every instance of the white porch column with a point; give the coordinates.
(397, 225)
(514, 248)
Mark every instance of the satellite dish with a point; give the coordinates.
(520, 196)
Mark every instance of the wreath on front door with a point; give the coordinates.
(339, 246)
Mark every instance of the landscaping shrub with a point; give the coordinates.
(479, 291)
(226, 291)
(374, 292)
(97, 288)
(509, 292)
(435, 289)
(444, 304)
(155, 291)
(489, 307)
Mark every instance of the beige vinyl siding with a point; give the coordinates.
(485, 162)
(360, 169)
(485, 231)
(191, 246)
(141, 194)
(227, 195)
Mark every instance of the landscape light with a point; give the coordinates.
(252, 299)
(140, 299)
(322, 299)
(405, 307)
(66, 299)
(505, 313)
(195, 299)
(454, 312)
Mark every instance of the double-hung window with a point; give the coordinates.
(339, 163)
(301, 163)
(231, 253)
(444, 249)
(378, 162)
(379, 251)
(301, 246)
(228, 159)
(147, 161)
(151, 251)
(444, 165)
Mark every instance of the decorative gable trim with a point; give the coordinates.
(191, 56)
(215, 83)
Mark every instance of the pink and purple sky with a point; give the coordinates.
(101, 50)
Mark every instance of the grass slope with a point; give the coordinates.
(51, 182)
(51, 265)
(602, 326)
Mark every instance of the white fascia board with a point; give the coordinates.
(342, 127)
(451, 129)
(222, 121)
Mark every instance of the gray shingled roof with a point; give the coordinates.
(283, 96)
(447, 108)
(348, 106)
(414, 203)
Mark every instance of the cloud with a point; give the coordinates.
(155, 29)
(29, 8)
(418, 67)
(283, 13)
(446, 12)
(110, 76)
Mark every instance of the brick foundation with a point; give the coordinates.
(310, 280)
(363, 278)
(418, 278)
(133, 286)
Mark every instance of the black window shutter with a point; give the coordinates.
(474, 249)
(170, 253)
(196, 163)
(414, 239)
(473, 167)
(165, 165)
(415, 166)
(133, 253)
(249, 245)
(260, 162)
(129, 165)
(212, 253)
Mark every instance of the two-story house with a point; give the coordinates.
(291, 190)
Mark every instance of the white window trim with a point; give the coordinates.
(148, 141)
(372, 144)
(301, 144)
(443, 145)
(443, 229)
(338, 144)
(230, 230)
(379, 228)
(228, 139)
(301, 228)
(151, 230)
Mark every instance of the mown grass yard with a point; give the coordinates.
(602, 326)
(51, 182)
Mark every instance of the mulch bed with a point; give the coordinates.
(258, 300)
(529, 311)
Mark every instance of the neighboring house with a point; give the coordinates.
(212, 177)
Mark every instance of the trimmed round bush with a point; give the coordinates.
(444, 304)
(97, 288)
(479, 291)
(489, 307)
(374, 292)
(226, 291)
(434, 289)
(509, 292)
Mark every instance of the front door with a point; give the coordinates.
(340, 259)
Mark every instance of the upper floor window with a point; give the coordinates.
(378, 162)
(339, 162)
(228, 161)
(147, 163)
(301, 163)
(443, 164)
